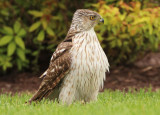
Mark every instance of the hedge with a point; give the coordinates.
(28, 28)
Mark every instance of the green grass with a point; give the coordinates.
(109, 103)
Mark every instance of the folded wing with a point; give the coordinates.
(58, 68)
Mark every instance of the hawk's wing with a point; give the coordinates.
(58, 68)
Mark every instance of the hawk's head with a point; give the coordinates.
(85, 19)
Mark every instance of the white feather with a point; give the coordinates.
(89, 64)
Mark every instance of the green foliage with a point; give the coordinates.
(12, 40)
(108, 103)
(29, 27)
(128, 30)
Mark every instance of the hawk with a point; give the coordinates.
(77, 67)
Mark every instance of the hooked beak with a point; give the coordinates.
(101, 20)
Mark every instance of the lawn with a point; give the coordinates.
(109, 103)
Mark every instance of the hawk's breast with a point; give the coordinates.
(89, 62)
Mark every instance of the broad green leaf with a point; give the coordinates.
(21, 54)
(41, 36)
(5, 40)
(50, 31)
(16, 27)
(2, 31)
(11, 48)
(21, 33)
(36, 13)
(19, 42)
(8, 30)
(44, 24)
(34, 26)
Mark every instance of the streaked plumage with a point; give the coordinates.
(77, 67)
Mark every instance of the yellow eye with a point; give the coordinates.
(92, 17)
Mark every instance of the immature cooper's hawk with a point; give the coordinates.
(77, 67)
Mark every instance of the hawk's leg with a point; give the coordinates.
(91, 97)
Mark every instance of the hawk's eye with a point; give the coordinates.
(92, 17)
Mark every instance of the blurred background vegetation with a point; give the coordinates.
(31, 29)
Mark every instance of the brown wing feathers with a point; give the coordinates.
(58, 68)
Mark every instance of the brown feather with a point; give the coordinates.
(60, 63)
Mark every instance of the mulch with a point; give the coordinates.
(144, 73)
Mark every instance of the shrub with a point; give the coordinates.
(13, 44)
(128, 31)
(28, 28)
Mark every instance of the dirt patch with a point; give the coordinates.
(143, 74)
(124, 78)
(19, 82)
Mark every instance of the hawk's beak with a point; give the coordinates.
(101, 20)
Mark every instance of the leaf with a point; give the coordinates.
(21, 33)
(110, 38)
(2, 31)
(137, 6)
(36, 13)
(113, 44)
(41, 36)
(141, 20)
(35, 53)
(119, 43)
(34, 26)
(5, 62)
(56, 17)
(150, 29)
(122, 17)
(21, 54)
(44, 24)
(7, 65)
(4, 12)
(19, 64)
(19, 42)
(50, 31)
(100, 37)
(62, 6)
(16, 27)
(8, 30)
(5, 40)
(11, 49)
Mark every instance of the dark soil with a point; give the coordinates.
(144, 73)
(19, 82)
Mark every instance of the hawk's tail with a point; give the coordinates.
(39, 95)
